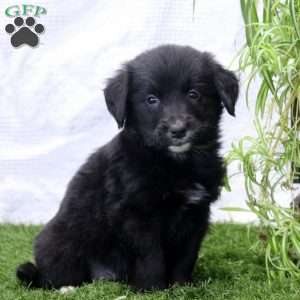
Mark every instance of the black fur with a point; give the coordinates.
(138, 209)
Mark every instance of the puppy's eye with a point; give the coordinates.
(152, 100)
(193, 94)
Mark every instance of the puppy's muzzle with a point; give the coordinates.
(178, 130)
(179, 135)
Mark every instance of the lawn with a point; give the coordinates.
(228, 268)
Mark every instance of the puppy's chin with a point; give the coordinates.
(179, 152)
(180, 149)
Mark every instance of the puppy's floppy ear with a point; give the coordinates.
(116, 94)
(227, 87)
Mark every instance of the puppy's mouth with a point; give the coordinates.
(180, 148)
(180, 145)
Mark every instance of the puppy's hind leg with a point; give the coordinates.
(30, 276)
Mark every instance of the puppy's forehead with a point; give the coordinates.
(172, 66)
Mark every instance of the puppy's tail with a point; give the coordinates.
(29, 275)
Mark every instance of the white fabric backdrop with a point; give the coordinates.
(52, 110)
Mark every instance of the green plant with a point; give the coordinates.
(271, 58)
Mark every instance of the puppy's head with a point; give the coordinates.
(172, 97)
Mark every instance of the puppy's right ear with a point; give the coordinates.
(116, 94)
(228, 88)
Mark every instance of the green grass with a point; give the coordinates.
(228, 268)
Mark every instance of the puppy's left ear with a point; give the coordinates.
(228, 88)
(116, 94)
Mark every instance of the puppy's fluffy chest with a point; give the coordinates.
(164, 188)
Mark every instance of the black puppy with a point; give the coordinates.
(138, 209)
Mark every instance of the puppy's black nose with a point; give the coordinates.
(178, 130)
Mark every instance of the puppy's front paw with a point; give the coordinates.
(66, 289)
(180, 279)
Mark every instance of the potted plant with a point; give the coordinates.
(270, 161)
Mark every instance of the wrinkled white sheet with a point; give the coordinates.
(52, 110)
